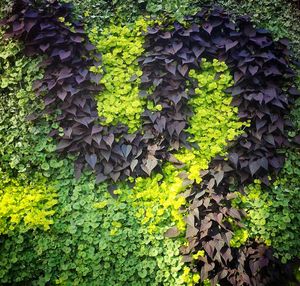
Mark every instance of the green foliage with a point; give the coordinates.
(103, 12)
(24, 146)
(239, 238)
(92, 234)
(26, 152)
(158, 200)
(94, 238)
(120, 47)
(5, 8)
(274, 215)
(214, 121)
(176, 9)
(98, 238)
(295, 117)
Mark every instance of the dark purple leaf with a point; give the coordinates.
(233, 158)
(64, 54)
(230, 45)
(254, 167)
(91, 159)
(63, 144)
(100, 178)
(171, 68)
(183, 69)
(207, 27)
(109, 139)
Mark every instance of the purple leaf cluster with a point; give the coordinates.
(68, 86)
(263, 92)
(210, 228)
(263, 81)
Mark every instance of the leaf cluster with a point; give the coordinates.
(279, 16)
(273, 214)
(214, 121)
(25, 207)
(111, 231)
(260, 94)
(96, 237)
(120, 47)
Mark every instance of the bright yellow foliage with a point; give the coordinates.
(188, 278)
(157, 200)
(25, 206)
(120, 47)
(214, 122)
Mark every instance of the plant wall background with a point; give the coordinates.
(149, 143)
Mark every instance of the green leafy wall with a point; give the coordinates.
(59, 230)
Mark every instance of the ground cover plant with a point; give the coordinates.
(149, 143)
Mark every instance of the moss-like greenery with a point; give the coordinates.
(24, 146)
(97, 238)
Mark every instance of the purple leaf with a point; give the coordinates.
(230, 45)
(253, 69)
(172, 232)
(234, 158)
(109, 139)
(149, 165)
(100, 178)
(207, 27)
(62, 94)
(115, 175)
(171, 67)
(91, 159)
(198, 51)
(126, 149)
(183, 69)
(254, 167)
(176, 47)
(29, 24)
(63, 144)
(133, 164)
(64, 54)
